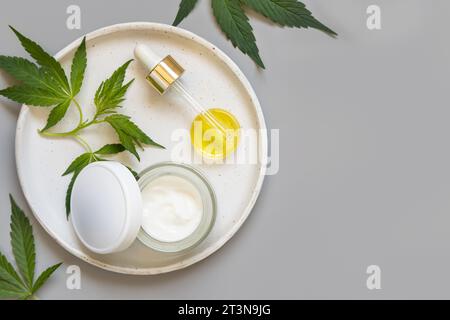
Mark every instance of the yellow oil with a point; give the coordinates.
(215, 134)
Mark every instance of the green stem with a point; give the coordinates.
(72, 132)
(75, 132)
(83, 143)
(90, 123)
(58, 135)
(80, 111)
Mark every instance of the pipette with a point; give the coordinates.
(164, 74)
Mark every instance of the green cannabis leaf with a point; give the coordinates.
(234, 23)
(75, 167)
(129, 133)
(45, 275)
(108, 97)
(110, 149)
(111, 92)
(12, 286)
(45, 60)
(69, 193)
(288, 13)
(186, 7)
(57, 114)
(32, 96)
(86, 159)
(78, 69)
(22, 243)
(79, 163)
(231, 17)
(29, 74)
(45, 84)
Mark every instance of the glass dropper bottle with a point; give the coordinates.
(214, 132)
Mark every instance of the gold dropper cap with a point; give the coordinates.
(164, 74)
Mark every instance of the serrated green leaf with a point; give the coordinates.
(32, 96)
(110, 149)
(234, 23)
(57, 114)
(112, 91)
(80, 163)
(29, 74)
(22, 243)
(44, 277)
(127, 141)
(9, 291)
(75, 167)
(21, 69)
(12, 286)
(290, 13)
(134, 173)
(186, 7)
(79, 65)
(69, 193)
(10, 276)
(116, 98)
(129, 133)
(44, 59)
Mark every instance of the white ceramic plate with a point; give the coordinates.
(210, 75)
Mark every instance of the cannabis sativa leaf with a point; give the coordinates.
(29, 74)
(232, 19)
(57, 114)
(13, 286)
(45, 84)
(75, 168)
(22, 243)
(234, 23)
(45, 60)
(186, 7)
(32, 96)
(69, 194)
(110, 149)
(111, 92)
(289, 13)
(78, 69)
(82, 162)
(129, 133)
(44, 276)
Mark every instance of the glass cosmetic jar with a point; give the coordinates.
(207, 200)
(171, 208)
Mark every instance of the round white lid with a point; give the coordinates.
(106, 207)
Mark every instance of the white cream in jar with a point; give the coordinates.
(172, 208)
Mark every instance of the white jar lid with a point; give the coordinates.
(106, 207)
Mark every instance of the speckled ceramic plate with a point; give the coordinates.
(210, 75)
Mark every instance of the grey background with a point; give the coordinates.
(364, 176)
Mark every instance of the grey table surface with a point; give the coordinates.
(364, 167)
